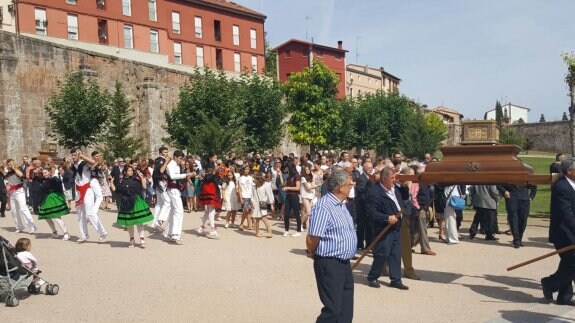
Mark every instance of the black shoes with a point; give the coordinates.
(373, 283)
(472, 234)
(399, 286)
(491, 238)
(547, 294)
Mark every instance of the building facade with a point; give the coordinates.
(510, 111)
(7, 16)
(295, 55)
(216, 34)
(453, 120)
(364, 79)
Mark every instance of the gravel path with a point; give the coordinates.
(241, 278)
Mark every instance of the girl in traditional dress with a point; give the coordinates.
(230, 197)
(210, 198)
(132, 208)
(53, 204)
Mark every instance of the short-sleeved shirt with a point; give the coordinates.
(332, 223)
(291, 182)
(246, 184)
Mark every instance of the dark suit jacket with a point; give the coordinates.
(361, 186)
(562, 227)
(380, 207)
(116, 174)
(518, 192)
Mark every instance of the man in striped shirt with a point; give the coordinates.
(332, 242)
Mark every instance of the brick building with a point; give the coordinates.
(295, 55)
(217, 34)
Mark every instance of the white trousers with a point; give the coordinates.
(209, 215)
(60, 224)
(95, 186)
(176, 217)
(162, 208)
(451, 225)
(20, 209)
(88, 211)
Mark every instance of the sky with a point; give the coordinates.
(462, 54)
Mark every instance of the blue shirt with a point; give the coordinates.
(331, 222)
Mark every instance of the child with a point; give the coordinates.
(231, 201)
(23, 247)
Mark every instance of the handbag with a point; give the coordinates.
(456, 202)
(263, 204)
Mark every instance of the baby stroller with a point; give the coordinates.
(14, 275)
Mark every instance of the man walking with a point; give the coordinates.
(332, 242)
(176, 217)
(517, 201)
(562, 234)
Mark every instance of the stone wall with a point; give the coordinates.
(29, 69)
(547, 136)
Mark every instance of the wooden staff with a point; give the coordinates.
(556, 252)
(374, 242)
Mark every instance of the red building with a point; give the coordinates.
(218, 34)
(295, 55)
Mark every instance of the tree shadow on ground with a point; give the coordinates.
(504, 294)
(525, 316)
(512, 282)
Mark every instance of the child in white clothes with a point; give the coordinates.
(23, 247)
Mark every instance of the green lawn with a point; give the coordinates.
(540, 205)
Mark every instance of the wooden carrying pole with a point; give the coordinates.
(556, 252)
(374, 242)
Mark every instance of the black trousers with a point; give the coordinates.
(388, 249)
(292, 205)
(562, 279)
(35, 201)
(335, 287)
(487, 218)
(517, 214)
(2, 204)
(351, 207)
(364, 227)
(458, 218)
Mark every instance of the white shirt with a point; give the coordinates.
(86, 174)
(198, 164)
(27, 259)
(391, 195)
(246, 184)
(571, 182)
(304, 192)
(173, 171)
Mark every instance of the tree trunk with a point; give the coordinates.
(572, 119)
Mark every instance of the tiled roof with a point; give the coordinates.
(231, 6)
(447, 110)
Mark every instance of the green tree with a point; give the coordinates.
(209, 116)
(264, 112)
(423, 134)
(508, 136)
(271, 60)
(117, 141)
(78, 114)
(569, 60)
(498, 114)
(399, 111)
(310, 96)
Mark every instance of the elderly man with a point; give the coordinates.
(384, 205)
(331, 242)
(562, 234)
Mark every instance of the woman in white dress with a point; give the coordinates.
(262, 196)
(307, 193)
(230, 199)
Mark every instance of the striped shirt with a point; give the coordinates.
(331, 222)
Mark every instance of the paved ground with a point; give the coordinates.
(241, 278)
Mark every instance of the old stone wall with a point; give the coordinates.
(547, 136)
(30, 68)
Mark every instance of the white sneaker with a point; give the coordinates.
(226, 226)
(33, 230)
(214, 233)
(297, 234)
(286, 234)
(103, 237)
(66, 237)
(200, 230)
(18, 230)
(158, 227)
(83, 239)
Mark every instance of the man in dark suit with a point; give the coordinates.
(384, 203)
(362, 186)
(517, 200)
(562, 234)
(116, 174)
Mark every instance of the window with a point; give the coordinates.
(101, 4)
(254, 64)
(74, 2)
(152, 10)
(253, 39)
(178, 53)
(128, 37)
(73, 27)
(236, 35)
(319, 53)
(217, 30)
(176, 22)
(338, 56)
(237, 62)
(304, 52)
(198, 24)
(200, 56)
(288, 53)
(103, 31)
(127, 7)
(154, 45)
(41, 22)
(219, 59)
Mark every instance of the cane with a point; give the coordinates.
(374, 242)
(556, 252)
